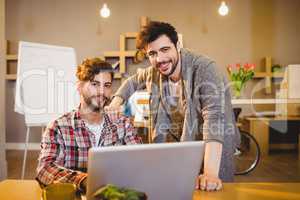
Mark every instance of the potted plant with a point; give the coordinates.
(113, 192)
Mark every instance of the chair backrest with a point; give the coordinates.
(237, 112)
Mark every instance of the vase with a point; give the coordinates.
(237, 89)
(237, 94)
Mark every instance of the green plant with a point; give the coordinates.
(239, 75)
(112, 192)
(276, 68)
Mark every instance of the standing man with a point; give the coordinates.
(66, 141)
(189, 100)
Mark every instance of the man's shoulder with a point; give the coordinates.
(195, 59)
(63, 120)
(123, 120)
(149, 70)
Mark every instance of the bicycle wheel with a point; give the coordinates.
(247, 155)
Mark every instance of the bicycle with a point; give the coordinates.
(247, 155)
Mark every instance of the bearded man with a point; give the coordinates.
(66, 140)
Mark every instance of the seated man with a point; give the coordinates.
(66, 141)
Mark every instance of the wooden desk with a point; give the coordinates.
(29, 190)
(253, 191)
(259, 128)
(20, 189)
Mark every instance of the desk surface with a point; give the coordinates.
(263, 101)
(273, 118)
(29, 190)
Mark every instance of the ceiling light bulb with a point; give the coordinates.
(105, 12)
(223, 9)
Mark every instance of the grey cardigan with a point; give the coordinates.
(208, 109)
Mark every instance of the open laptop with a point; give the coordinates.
(163, 171)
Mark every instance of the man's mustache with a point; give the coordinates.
(163, 62)
(101, 96)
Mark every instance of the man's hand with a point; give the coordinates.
(115, 109)
(208, 183)
(209, 180)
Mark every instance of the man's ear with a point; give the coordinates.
(178, 46)
(79, 86)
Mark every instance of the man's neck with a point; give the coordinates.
(89, 116)
(177, 73)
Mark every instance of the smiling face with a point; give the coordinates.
(97, 92)
(163, 55)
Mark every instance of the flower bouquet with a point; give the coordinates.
(239, 75)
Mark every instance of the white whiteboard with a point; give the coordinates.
(294, 81)
(46, 82)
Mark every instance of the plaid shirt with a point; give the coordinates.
(65, 145)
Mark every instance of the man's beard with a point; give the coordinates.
(92, 106)
(173, 67)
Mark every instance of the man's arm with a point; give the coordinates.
(128, 131)
(212, 159)
(129, 86)
(212, 94)
(213, 153)
(50, 168)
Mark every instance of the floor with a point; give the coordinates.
(278, 167)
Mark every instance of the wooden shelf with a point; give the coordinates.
(117, 75)
(11, 77)
(260, 74)
(123, 54)
(266, 74)
(10, 57)
(130, 35)
(118, 53)
(278, 75)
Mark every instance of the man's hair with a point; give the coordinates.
(154, 30)
(90, 67)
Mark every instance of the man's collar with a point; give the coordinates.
(184, 62)
(77, 121)
(76, 118)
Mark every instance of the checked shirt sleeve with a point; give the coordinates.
(51, 160)
(131, 136)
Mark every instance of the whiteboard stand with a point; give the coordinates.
(25, 152)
